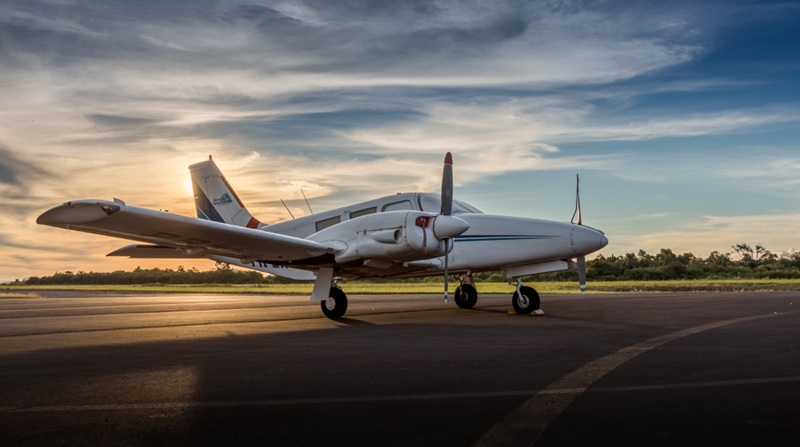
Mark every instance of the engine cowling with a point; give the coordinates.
(397, 236)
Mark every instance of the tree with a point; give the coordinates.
(764, 256)
(745, 254)
(719, 260)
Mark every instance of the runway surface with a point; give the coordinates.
(629, 369)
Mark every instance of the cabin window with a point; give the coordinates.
(432, 203)
(364, 212)
(329, 222)
(395, 206)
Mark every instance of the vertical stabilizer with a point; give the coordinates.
(215, 199)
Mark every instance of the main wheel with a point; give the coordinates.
(526, 301)
(466, 296)
(336, 304)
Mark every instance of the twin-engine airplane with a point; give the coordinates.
(399, 236)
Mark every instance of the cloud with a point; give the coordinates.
(348, 100)
(23, 185)
(715, 123)
(219, 47)
(16, 172)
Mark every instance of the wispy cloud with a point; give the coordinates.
(724, 122)
(15, 172)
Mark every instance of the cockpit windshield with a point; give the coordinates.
(432, 203)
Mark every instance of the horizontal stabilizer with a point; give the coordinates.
(272, 269)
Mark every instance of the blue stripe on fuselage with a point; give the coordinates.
(497, 237)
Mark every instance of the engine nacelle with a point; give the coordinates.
(398, 236)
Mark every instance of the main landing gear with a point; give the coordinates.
(336, 304)
(525, 299)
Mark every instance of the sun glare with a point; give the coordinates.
(187, 184)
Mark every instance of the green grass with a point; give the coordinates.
(358, 287)
(17, 295)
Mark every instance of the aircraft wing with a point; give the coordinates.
(116, 219)
(158, 252)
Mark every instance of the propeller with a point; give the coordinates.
(447, 210)
(581, 264)
(445, 226)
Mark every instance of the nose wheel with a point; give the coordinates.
(466, 296)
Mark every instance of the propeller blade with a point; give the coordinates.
(447, 185)
(449, 226)
(446, 274)
(582, 273)
(577, 212)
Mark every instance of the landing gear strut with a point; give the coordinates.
(525, 299)
(466, 294)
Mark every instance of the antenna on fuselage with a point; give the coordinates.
(287, 208)
(307, 204)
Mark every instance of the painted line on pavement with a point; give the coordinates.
(525, 425)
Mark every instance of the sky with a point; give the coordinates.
(682, 118)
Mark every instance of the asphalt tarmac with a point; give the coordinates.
(628, 369)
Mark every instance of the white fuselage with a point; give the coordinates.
(519, 245)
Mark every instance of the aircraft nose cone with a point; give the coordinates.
(586, 240)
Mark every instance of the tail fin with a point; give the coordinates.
(215, 199)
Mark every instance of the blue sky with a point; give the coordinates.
(682, 118)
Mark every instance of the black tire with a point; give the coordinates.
(527, 303)
(336, 304)
(466, 296)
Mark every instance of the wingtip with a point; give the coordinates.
(448, 159)
(78, 212)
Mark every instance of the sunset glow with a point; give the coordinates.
(681, 117)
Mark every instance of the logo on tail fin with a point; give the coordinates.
(225, 198)
(215, 199)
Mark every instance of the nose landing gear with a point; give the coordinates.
(466, 293)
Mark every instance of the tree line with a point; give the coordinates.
(743, 262)
(222, 274)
